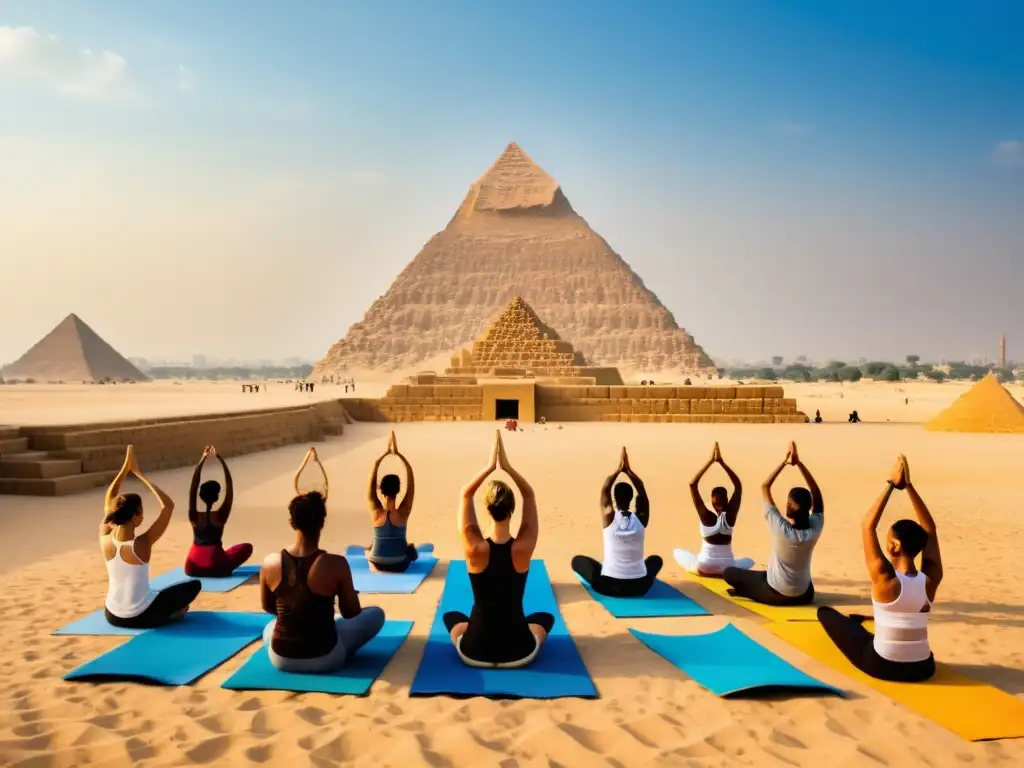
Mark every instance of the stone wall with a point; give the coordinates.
(554, 402)
(57, 460)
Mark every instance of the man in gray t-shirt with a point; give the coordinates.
(794, 536)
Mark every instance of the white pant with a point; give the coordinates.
(712, 560)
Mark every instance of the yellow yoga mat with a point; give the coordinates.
(969, 708)
(772, 612)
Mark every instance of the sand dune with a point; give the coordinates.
(649, 713)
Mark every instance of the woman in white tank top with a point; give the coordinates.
(625, 571)
(130, 601)
(902, 594)
(716, 524)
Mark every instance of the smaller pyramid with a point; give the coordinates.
(73, 352)
(985, 407)
(519, 341)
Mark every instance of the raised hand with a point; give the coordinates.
(392, 443)
(624, 460)
(496, 449)
(213, 452)
(502, 457)
(792, 457)
(716, 454)
(131, 459)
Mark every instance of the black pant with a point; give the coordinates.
(167, 603)
(543, 620)
(589, 570)
(754, 586)
(858, 645)
(401, 567)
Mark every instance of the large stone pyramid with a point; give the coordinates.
(985, 407)
(516, 234)
(72, 352)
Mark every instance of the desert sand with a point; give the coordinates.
(649, 713)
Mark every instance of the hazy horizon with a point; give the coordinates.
(242, 181)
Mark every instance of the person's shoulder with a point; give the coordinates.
(273, 560)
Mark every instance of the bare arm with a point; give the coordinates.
(302, 468)
(267, 600)
(229, 492)
(112, 493)
(159, 526)
(410, 488)
(473, 542)
(879, 568)
(766, 486)
(348, 599)
(193, 491)
(529, 526)
(372, 499)
(698, 501)
(931, 557)
(643, 504)
(607, 506)
(817, 504)
(733, 511)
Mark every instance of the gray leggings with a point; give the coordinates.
(353, 634)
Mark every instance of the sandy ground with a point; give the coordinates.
(649, 713)
(42, 404)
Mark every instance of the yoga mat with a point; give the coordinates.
(96, 624)
(772, 612)
(661, 600)
(355, 679)
(210, 584)
(729, 662)
(178, 653)
(557, 672)
(969, 708)
(372, 582)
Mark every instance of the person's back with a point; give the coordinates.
(901, 626)
(624, 547)
(789, 567)
(390, 549)
(497, 623)
(305, 620)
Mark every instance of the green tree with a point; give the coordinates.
(913, 360)
(777, 360)
(850, 373)
(768, 373)
(891, 374)
(935, 375)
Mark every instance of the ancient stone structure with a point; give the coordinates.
(425, 398)
(516, 234)
(61, 460)
(72, 352)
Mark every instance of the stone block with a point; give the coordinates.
(664, 393)
(691, 393)
(597, 392)
(722, 393)
(773, 392)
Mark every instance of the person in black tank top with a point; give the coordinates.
(498, 632)
(300, 585)
(207, 556)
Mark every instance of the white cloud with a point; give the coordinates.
(81, 73)
(186, 80)
(1009, 154)
(791, 128)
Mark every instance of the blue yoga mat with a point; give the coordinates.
(178, 653)
(661, 600)
(371, 582)
(355, 679)
(557, 672)
(96, 624)
(729, 662)
(223, 584)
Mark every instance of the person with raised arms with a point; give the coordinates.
(131, 603)
(497, 632)
(207, 556)
(794, 537)
(716, 524)
(300, 586)
(625, 572)
(901, 593)
(390, 550)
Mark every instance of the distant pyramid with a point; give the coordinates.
(516, 234)
(518, 322)
(73, 352)
(985, 407)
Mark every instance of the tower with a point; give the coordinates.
(1002, 350)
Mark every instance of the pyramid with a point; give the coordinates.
(73, 352)
(519, 340)
(985, 407)
(516, 234)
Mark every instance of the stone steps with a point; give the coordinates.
(13, 445)
(39, 469)
(55, 486)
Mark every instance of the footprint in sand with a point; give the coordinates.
(139, 750)
(209, 750)
(249, 705)
(259, 754)
(312, 715)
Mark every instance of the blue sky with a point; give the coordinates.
(792, 178)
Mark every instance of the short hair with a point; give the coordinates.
(801, 498)
(209, 491)
(500, 500)
(623, 494)
(911, 536)
(125, 507)
(308, 511)
(719, 492)
(390, 485)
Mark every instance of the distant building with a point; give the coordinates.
(198, 361)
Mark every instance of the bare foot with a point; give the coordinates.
(180, 614)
